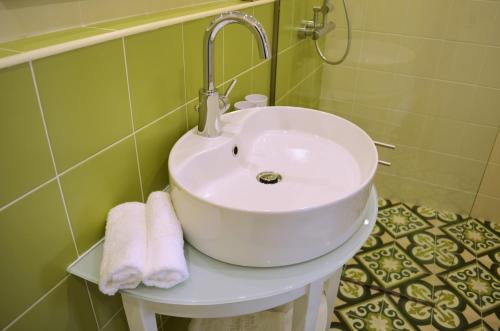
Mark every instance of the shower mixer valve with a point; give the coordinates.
(319, 26)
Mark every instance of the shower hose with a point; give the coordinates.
(348, 46)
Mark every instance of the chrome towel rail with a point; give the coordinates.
(384, 145)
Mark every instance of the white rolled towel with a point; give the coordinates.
(124, 255)
(165, 263)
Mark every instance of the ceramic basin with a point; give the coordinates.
(228, 212)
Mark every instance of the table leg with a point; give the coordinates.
(331, 289)
(306, 308)
(138, 318)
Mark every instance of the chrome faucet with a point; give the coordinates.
(211, 105)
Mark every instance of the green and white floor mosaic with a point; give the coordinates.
(422, 269)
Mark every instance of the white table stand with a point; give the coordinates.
(217, 289)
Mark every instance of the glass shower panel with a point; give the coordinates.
(423, 75)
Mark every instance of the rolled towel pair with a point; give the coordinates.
(165, 261)
(124, 256)
(143, 242)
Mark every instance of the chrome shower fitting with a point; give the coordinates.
(320, 26)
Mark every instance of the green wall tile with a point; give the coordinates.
(286, 24)
(96, 186)
(192, 114)
(242, 88)
(119, 323)
(105, 306)
(237, 48)
(283, 73)
(5, 53)
(67, 308)
(261, 79)
(302, 10)
(299, 63)
(154, 144)
(265, 15)
(156, 73)
(85, 100)
(193, 55)
(22, 137)
(37, 247)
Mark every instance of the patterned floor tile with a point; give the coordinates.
(455, 303)
(490, 261)
(473, 283)
(420, 246)
(379, 313)
(391, 266)
(357, 273)
(475, 236)
(418, 314)
(488, 287)
(399, 220)
(448, 319)
(350, 293)
(493, 226)
(449, 217)
(491, 321)
(422, 269)
(378, 238)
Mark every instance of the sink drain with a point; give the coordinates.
(269, 177)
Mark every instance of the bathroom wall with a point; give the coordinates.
(298, 74)
(487, 204)
(23, 18)
(423, 75)
(87, 129)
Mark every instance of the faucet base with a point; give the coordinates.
(209, 113)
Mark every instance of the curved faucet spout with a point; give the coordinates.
(213, 29)
(212, 105)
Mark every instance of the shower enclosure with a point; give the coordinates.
(422, 75)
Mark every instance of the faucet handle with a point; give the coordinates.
(224, 99)
(230, 88)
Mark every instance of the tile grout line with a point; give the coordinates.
(426, 115)
(37, 301)
(416, 76)
(132, 119)
(92, 304)
(24, 195)
(461, 157)
(49, 142)
(76, 165)
(111, 319)
(160, 118)
(290, 90)
(428, 183)
(484, 173)
(10, 50)
(71, 168)
(38, 53)
(290, 47)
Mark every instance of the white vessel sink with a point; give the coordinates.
(326, 165)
